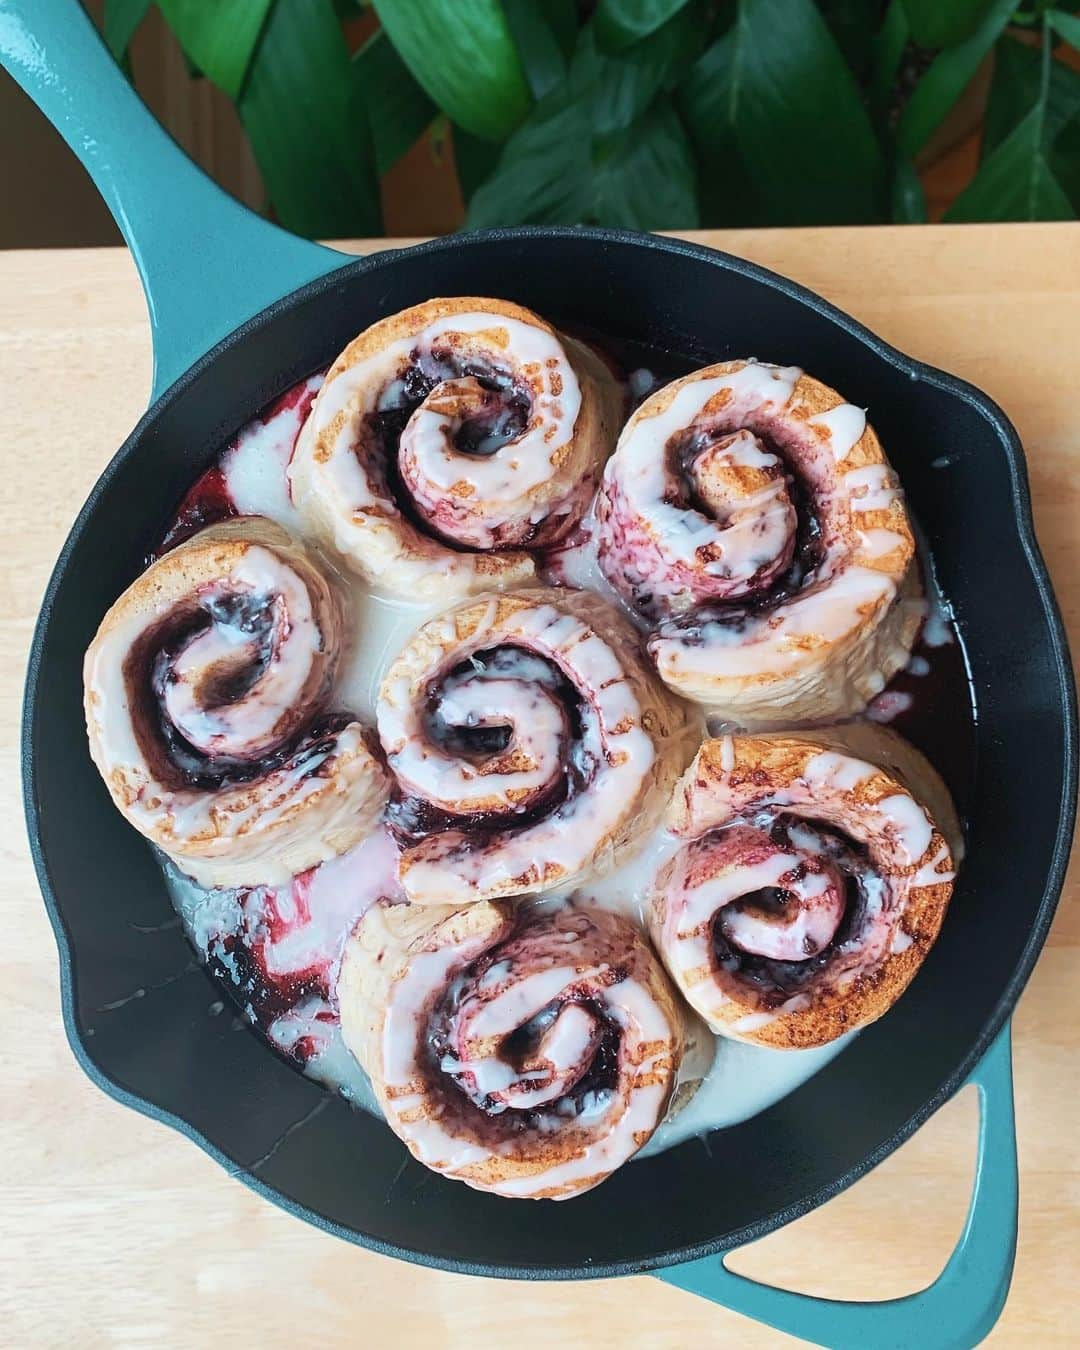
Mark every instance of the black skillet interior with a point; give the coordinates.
(140, 1011)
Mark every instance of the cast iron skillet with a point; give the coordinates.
(139, 1009)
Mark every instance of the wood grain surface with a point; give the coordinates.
(116, 1232)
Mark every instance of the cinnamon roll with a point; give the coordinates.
(750, 515)
(450, 441)
(206, 691)
(808, 885)
(528, 1052)
(530, 742)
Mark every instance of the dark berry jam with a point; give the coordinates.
(208, 502)
(774, 981)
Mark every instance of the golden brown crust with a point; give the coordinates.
(734, 776)
(825, 650)
(641, 740)
(886, 748)
(255, 828)
(384, 958)
(379, 541)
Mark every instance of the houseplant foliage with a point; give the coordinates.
(650, 114)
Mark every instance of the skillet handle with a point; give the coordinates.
(206, 262)
(966, 1299)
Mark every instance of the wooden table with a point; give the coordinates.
(115, 1231)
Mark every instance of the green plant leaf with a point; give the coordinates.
(777, 89)
(120, 20)
(218, 39)
(942, 23)
(908, 199)
(474, 160)
(543, 170)
(398, 109)
(644, 178)
(888, 52)
(947, 78)
(604, 145)
(1067, 26)
(310, 135)
(1064, 160)
(538, 30)
(1015, 89)
(624, 86)
(562, 17)
(729, 194)
(1017, 182)
(1019, 178)
(621, 23)
(464, 57)
(852, 23)
(553, 170)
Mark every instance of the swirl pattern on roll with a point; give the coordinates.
(749, 514)
(808, 885)
(530, 742)
(206, 691)
(451, 441)
(528, 1052)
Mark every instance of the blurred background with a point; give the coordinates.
(413, 117)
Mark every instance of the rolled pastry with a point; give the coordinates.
(528, 1052)
(450, 441)
(531, 744)
(809, 884)
(750, 514)
(205, 692)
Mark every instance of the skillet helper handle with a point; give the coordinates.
(966, 1299)
(206, 262)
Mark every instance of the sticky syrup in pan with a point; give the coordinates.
(276, 950)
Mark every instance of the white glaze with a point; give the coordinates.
(835, 771)
(820, 910)
(515, 467)
(330, 1061)
(319, 800)
(743, 1080)
(843, 425)
(519, 700)
(776, 643)
(576, 564)
(247, 727)
(577, 1147)
(872, 487)
(909, 822)
(258, 572)
(751, 523)
(877, 543)
(692, 518)
(314, 927)
(256, 463)
(727, 856)
(479, 500)
(337, 894)
(562, 844)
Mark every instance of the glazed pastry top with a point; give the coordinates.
(528, 740)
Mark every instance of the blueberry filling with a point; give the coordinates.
(207, 503)
(681, 451)
(484, 1115)
(412, 818)
(150, 668)
(264, 997)
(503, 416)
(774, 981)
